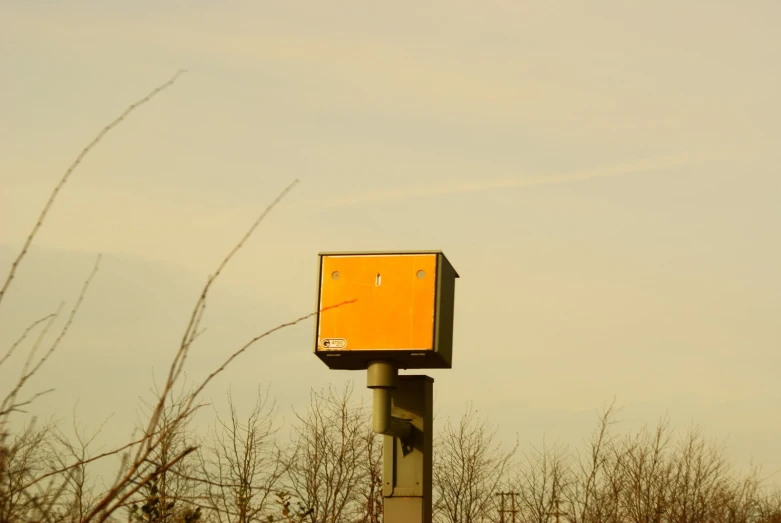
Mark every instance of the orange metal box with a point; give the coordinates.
(393, 306)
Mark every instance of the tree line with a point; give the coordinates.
(327, 469)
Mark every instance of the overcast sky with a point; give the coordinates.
(603, 175)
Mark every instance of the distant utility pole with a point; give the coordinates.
(558, 513)
(513, 510)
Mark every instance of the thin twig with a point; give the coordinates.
(201, 303)
(258, 338)
(70, 170)
(23, 337)
(16, 406)
(8, 402)
(41, 336)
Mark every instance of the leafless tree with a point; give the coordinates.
(699, 474)
(172, 492)
(541, 479)
(326, 465)
(641, 478)
(769, 506)
(586, 498)
(470, 467)
(371, 494)
(241, 467)
(79, 492)
(645, 460)
(26, 456)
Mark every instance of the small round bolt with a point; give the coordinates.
(335, 275)
(421, 274)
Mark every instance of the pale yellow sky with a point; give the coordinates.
(604, 176)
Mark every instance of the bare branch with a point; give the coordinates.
(8, 403)
(24, 335)
(69, 171)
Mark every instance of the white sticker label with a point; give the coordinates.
(333, 343)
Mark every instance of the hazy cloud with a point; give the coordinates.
(638, 167)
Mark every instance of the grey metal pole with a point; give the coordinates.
(407, 465)
(382, 378)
